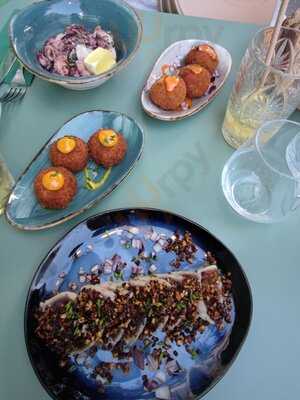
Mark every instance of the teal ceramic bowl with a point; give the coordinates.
(24, 211)
(32, 26)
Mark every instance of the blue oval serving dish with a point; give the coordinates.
(24, 211)
(86, 250)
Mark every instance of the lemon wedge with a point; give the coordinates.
(99, 60)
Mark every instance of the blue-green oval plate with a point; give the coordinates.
(24, 211)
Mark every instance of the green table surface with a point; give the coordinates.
(179, 171)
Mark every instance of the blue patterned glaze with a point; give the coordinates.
(24, 211)
(33, 25)
(99, 238)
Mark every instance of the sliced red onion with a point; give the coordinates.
(162, 241)
(144, 255)
(137, 244)
(161, 377)
(108, 267)
(153, 363)
(72, 286)
(163, 393)
(152, 268)
(211, 89)
(154, 237)
(172, 69)
(151, 385)
(95, 269)
(157, 247)
(148, 234)
(184, 106)
(172, 367)
(116, 260)
(128, 235)
(119, 267)
(133, 229)
(137, 269)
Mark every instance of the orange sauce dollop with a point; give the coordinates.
(66, 144)
(171, 82)
(108, 137)
(197, 69)
(208, 49)
(53, 181)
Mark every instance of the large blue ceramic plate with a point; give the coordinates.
(91, 243)
(24, 211)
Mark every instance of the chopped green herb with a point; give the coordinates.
(194, 354)
(69, 310)
(54, 174)
(180, 306)
(93, 184)
(187, 324)
(147, 343)
(72, 368)
(77, 331)
(194, 296)
(99, 304)
(148, 303)
(102, 322)
(119, 275)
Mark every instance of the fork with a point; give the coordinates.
(17, 90)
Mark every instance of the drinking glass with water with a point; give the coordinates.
(264, 92)
(261, 180)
